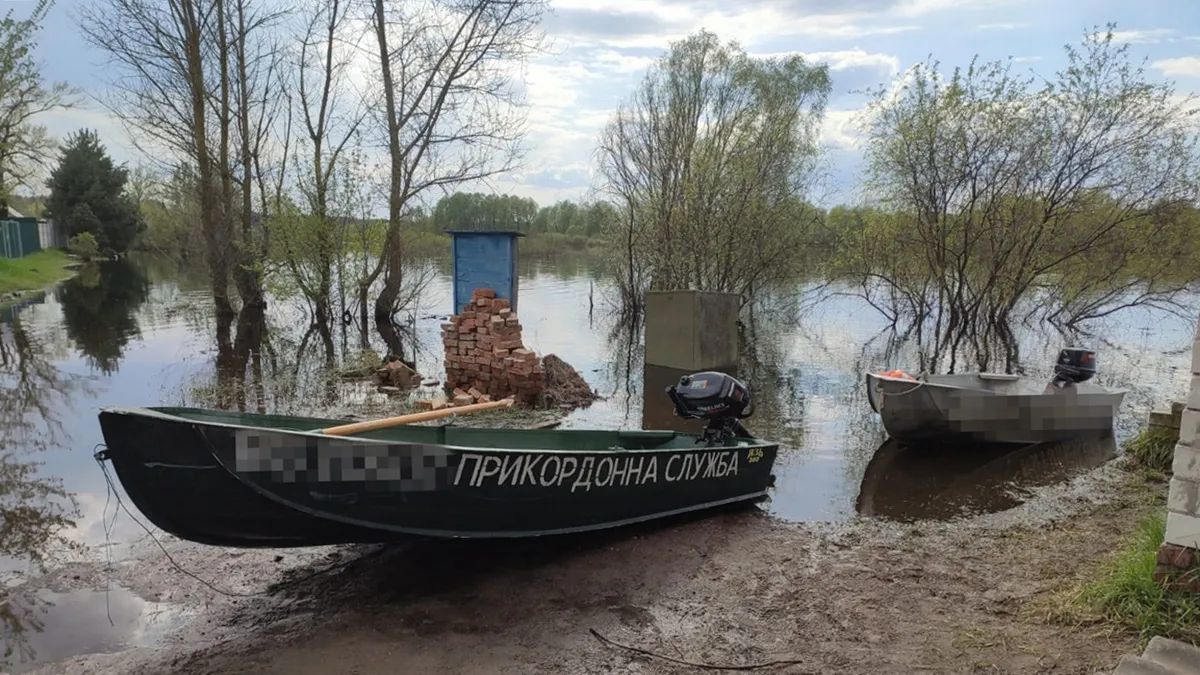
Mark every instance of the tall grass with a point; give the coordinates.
(1154, 448)
(1124, 595)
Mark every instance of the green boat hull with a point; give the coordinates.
(263, 480)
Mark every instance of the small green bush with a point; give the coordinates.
(84, 245)
(1154, 448)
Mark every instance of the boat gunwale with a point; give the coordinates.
(925, 383)
(152, 413)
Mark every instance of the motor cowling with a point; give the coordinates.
(719, 399)
(1075, 365)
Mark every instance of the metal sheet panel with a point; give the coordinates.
(484, 260)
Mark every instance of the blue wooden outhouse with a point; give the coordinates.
(484, 259)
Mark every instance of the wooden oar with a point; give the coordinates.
(372, 425)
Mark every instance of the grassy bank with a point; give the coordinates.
(1123, 595)
(33, 271)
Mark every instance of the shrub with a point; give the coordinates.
(84, 245)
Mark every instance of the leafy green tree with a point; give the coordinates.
(476, 211)
(24, 145)
(87, 194)
(708, 163)
(1012, 198)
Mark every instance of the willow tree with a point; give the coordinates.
(709, 163)
(1006, 194)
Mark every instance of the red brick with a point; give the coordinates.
(1176, 556)
(483, 293)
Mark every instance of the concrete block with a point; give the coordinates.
(1189, 428)
(1183, 530)
(691, 330)
(1196, 357)
(1137, 665)
(1186, 464)
(1193, 400)
(1165, 420)
(1184, 497)
(1181, 656)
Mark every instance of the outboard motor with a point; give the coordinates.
(717, 398)
(1074, 366)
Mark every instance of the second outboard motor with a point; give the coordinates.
(719, 399)
(1074, 365)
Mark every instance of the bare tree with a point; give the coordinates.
(331, 116)
(196, 84)
(450, 113)
(24, 144)
(163, 96)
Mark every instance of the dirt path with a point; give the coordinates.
(735, 588)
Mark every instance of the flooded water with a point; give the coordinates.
(142, 333)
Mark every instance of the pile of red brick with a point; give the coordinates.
(485, 355)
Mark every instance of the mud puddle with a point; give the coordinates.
(59, 625)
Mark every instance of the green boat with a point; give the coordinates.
(237, 479)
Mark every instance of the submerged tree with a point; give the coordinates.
(998, 190)
(198, 81)
(709, 163)
(450, 113)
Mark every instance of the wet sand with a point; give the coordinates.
(735, 588)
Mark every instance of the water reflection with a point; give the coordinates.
(34, 508)
(99, 309)
(939, 483)
(86, 621)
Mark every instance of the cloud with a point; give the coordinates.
(651, 24)
(855, 58)
(577, 177)
(616, 61)
(1001, 26)
(921, 7)
(841, 129)
(1148, 36)
(1026, 59)
(1184, 66)
(590, 22)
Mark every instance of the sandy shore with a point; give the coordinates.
(734, 588)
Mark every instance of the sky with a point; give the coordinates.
(597, 51)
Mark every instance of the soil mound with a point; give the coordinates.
(564, 386)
